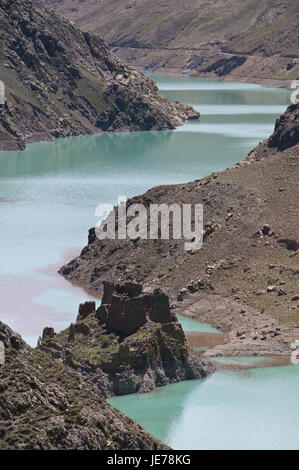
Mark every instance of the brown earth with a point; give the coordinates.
(53, 396)
(46, 405)
(60, 81)
(255, 41)
(244, 280)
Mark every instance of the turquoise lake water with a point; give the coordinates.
(190, 325)
(48, 194)
(48, 197)
(234, 410)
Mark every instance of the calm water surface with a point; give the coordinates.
(190, 325)
(248, 409)
(49, 193)
(48, 197)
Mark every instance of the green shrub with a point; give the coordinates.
(105, 341)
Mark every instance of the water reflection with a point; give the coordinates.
(49, 193)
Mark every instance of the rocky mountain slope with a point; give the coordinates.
(244, 280)
(60, 81)
(53, 396)
(250, 40)
(46, 405)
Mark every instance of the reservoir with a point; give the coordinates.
(48, 199)
(49, 193)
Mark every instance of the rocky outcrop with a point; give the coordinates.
(48, 332)
(132, 343)
(61, 81)
(10, 339)
(125, 310)
(250, 244)
(123, 315)
(86, 309)
(225, 66)
(46, 405)
(286, 133)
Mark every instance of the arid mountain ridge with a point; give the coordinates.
(244, 280)
(60, 82)
(249, 41)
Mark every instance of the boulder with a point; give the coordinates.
(271, 288)
(130, 288)
(266, 229)
(86, 309)
(286, 133)
(182, 294)
(82, 328)
(11, 339)
(71, 336)
(48, 333)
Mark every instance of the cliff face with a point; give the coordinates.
(250, 39)
(249, 259)
(45, 405)
(131, 343)
(286, 133)
(61, 81)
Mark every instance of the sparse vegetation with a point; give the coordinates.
(105, 340)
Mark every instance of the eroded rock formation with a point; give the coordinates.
(47, 405)
(124, 309)
(132, 343)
